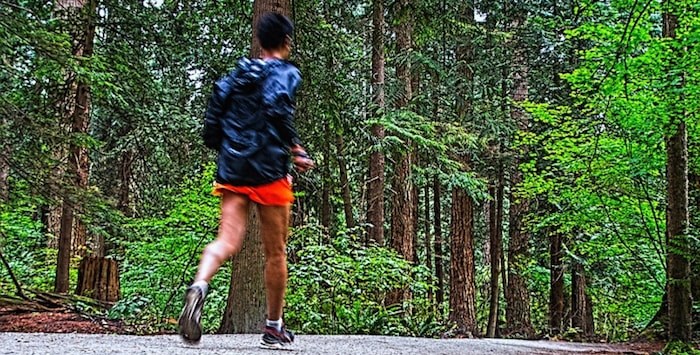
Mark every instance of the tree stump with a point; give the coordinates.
(98, 278)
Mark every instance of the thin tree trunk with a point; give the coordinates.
(496, 249)
(5, 151)
(326, 183)
(694, 191)
(589, 321)
(64, 249)
(245, 306)
(677, 217)
(428, 242)
(345, 183)
(518, 297)
(581, 310)
(76, 110)
(375, 185)
(556, 282)
(125, 175)
(437, 226)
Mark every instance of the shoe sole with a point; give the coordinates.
(277, 346)
(190, 330)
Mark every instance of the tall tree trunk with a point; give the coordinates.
(581, 308)
(428, 242)
(462, 289)
(375, 185)
(677, 218)
(589, 321)
(326, 182)
(403, 216)
(80, 17)
(5, 152)
(556, 284)
(245, 307)
(518, 300)
(462, 283)
(125, 177)
(437, 227)
(345, 183)
(4, 172)
(496, 249)
(694, 191)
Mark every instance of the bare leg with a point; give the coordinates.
(274, 221)
(234, 215)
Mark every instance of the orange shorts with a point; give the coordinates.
(276, 193)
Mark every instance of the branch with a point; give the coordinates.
(19, 292)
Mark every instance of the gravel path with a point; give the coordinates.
(37, 343)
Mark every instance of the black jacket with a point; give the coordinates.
(250, 122)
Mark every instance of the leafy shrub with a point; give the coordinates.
(339, 288)
(24, 246)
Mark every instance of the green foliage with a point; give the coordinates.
(24, 246)
(339, 288)
(600, 158)
(604, 89)
(680, 348)
(160, 257)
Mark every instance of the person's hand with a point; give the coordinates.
(302, 161)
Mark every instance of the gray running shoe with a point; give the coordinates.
(274, 339)
(189, 322)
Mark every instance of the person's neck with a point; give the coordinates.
(271, 56)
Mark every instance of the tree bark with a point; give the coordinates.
(694, 191)
(98, 278)
(437, 227)
(375, 185)
(518, 297)
(345, 183)
(403, 216)
(556, 284)
(80, 16)
(581, 307)
(428, 242)
(245, 306)
(5, 151)
(677, 217)
(326, 210)
(125, 177)
(462, 289)
(496, 249)
(462, 283)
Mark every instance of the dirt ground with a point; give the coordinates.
(55, 322)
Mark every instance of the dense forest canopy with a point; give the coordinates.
(511, 168)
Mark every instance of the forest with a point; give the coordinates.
(513, 168)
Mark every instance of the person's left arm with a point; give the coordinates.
(281, 96)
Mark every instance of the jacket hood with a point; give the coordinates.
(249, 71)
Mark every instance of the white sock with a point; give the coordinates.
(203, 285)
(274, 323)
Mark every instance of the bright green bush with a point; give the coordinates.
(24, 246)
(339, 288)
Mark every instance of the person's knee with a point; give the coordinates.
(276, 254)
(221, 250)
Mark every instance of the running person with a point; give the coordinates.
(250, 122)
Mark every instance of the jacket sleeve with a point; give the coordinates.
(213, 132)
(281, 105)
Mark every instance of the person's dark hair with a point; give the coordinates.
(273, 30)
